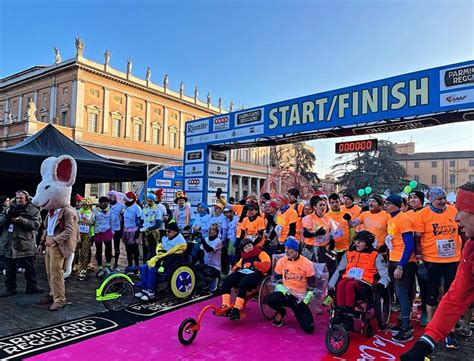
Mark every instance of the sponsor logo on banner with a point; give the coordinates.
(201, 127)
(163, 182)
(225, 135)
(213, 184)
(459, 97)
(168, 174)
(48, 337)
(248, 117)
(194, 170)
(193, 184)
(194, 156)
(220, 123)
(457, 77)
(220, 171)
(194, 198)
(178, 184)
(220, 157)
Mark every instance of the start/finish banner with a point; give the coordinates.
(405, 102)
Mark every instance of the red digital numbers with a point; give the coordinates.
(357, 146)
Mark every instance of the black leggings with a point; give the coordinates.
(244, 282)
(108, 252)
(133, 254)
(278, 301)
(117, 238)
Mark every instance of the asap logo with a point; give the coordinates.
(221, 123)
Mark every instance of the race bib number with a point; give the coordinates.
(446, 248)
(356, 273)
(278, 230)
(246, 271)
(83, 228)
(338, 233)
(10, 229)
(388, 242)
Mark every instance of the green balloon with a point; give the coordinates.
(368, 190)
(361, 192)
(413, 184)
(407, 189)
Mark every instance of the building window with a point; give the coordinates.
(452, 178)
(471, 177)
(63, 120)
(44, 118)
(471, 162)
(65, 90)
(416, 178)
(173, 139)
(452, 163)
(94, 190)
(116, 125)
(137, 132)
(45, 96)
(417, 164)
(92, 124)
(116, 186)
(434, 164)
(434, 179)
(156, 135)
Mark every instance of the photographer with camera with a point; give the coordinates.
(23, 220)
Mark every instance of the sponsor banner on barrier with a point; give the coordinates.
(163, 182)
(212, 199)
(458, 97)
(33, 341)
(194, 170)
(458, 77)
(193, 184)
(197, 127)
(219, 157)
(194, 156)
(194, 198)
(249, 117)
(227, 135)
(168, 174)
(220, 123)
(214, 183)
(219, 171)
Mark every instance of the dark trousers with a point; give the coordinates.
(28, 263)
(133, 254)
(224, 257)
(278, 301)
(243, 282)
(117, 238)
(205, 273)
(108, 252)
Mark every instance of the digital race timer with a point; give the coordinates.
(367, 145)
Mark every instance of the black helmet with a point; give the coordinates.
(366, 236)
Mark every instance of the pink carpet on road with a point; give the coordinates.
(221, 339)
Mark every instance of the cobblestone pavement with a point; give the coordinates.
(19, 313)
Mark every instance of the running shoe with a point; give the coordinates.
(213, 284)
(451, 342)
(139, 294)
(147, 295)
(280, 322)
(235, 314)
(424, 319)
(100, 273)
(20, 270)
(404, 335)
(395, 307)
(465, 332)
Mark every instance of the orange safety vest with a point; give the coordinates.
(361, 266)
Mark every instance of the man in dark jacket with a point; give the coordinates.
(23, 221)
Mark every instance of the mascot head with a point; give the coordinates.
(58, 176)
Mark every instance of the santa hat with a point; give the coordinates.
(159, 194)
(130, 197)
(79, 198)
(320, 194)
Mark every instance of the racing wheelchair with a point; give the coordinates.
(179, 279)
(374, 303)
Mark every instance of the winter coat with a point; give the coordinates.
(5, 241)
(23, 237)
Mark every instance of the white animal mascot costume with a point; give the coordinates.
(61, 223)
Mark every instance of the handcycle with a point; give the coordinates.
(375, 304)
(190, 327)
(117, 291)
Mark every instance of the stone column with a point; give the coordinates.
(165, 126)
(249, 185)
(20, 106)
(240, 191)
(257, 185)
(6, 112)
(105, 112)
(52, 103)
(148, 132)
(101, 189)
(35, 97)
(128, 108)
(181, 131)
(125, 187)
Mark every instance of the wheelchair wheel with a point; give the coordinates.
(182, 281)
(337, 340)
(120, 294)
(263, 293)
(186, 335)
(382, 308)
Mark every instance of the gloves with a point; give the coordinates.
(327, 301)
(331, 292)
(218, 193)
(379, 287)
(418, 352)
(186, 228)
(280, 288)
(347, 216)
(260, 266)
(308, 297)
(320, 232)
(422, 271)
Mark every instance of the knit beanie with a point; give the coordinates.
(395, 199)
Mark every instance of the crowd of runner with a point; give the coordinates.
(409, 244)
